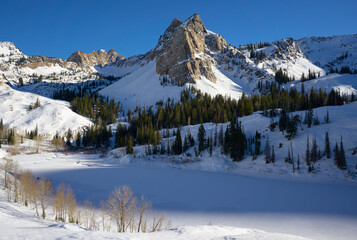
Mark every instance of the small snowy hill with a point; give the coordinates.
(51, 117)
(335, 51)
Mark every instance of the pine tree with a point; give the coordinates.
(215, 136)
(327, 117)
(298, 162)
(177, 148)
(256, 145)
(313, 153)
(129, 146)
(327, 150)
(201, 138)
(337, 156)
(267, 151)
(78, 140)
(272, 154)
(185, 144)
(342, 164)
(69, 137)
(307, 154)
(226, 141)
(210, 144)
(331, 70)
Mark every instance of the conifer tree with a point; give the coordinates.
(226, 141)
(210, 144)
(185, 144)
(129, 146)
(201, 138)
(342, 164)
(327, 150)
(69, 137)
(307, 153)
(177, 148)
(267, 151)
(327, 117)
(256, 145)
(337, 155)
(272, 154)
(78, 140)
(313, 153)
(215, 136)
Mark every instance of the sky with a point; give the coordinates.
(59, 28)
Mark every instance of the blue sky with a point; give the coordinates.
(58, 28)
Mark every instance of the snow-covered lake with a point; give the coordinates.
(312, 209)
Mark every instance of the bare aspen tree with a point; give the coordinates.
(38, 140)
(71, 204)
(157, 222)
(34, 190)
(7, 167)
(103, 213)
(16, 182)
(122, 205)
(168, 225)
(59, 203)
(93, 225)
(26, 179)
(143, 209)
(86, 213)
(45, 190)
(9, 189)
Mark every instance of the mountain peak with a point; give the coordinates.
(100, 57)
(179, 49)
(195, 22)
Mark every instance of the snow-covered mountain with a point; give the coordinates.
(186, 55)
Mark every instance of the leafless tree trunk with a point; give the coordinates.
(26, 179)
(45, 190)
(157, 222)
(71, 204)
(143, 208)
(7, 167)
(16, 182)
(102, 211)
(59, 203)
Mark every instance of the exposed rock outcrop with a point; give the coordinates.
(181, 52)
(94, 58)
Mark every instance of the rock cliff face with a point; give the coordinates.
(181, 52)
(94, 58)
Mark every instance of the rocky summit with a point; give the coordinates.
(94, 58)
(182, 52)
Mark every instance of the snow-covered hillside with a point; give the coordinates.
(345, 84)
(142, 87)
(51, 117)
(335, 51)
